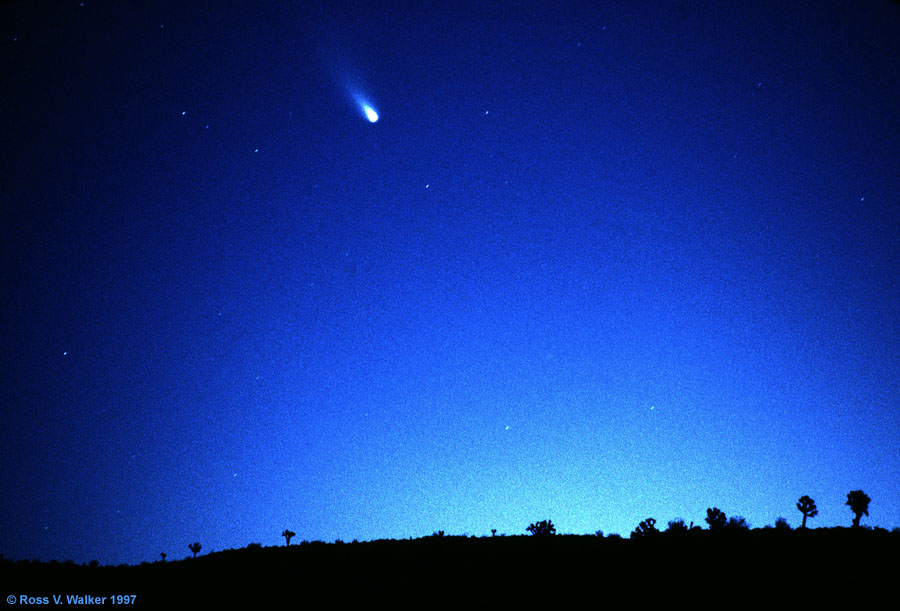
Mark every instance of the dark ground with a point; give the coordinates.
(764, 566)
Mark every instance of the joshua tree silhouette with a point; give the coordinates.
(647, 528)
(859, 505)
(542, 528)
(195, 547)
(716, 518)
(287, 534)
(807, 507)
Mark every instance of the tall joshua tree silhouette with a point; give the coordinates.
(808, 508)
(287, 534)
(716, 518)
(859, 505)
(195, 547)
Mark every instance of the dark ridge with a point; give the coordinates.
(728, 566)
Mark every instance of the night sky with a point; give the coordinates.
(594, 263)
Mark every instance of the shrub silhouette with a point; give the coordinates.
(737, 523)
(782, 524)
(647, 528)
(859, 505)
(543, 528)
(195, 547)
(677, 526)
(808, 508)
(716, 518)
(288, 535)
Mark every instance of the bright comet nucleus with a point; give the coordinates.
(363, 103)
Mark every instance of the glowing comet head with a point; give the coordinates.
(368, 112)
(371, 115)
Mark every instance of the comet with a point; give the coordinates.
(371, 115)
(366, 107)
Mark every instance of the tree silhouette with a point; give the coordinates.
(716, 518)
(543, 528)
(647, 528)
(195, 547)
(287, 534)
(677, 526)
(807, 507)
(859, 505)
(163, 556)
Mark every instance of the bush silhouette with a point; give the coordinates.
(288, 535)
(195, 547)
(859, 505)
(808, 508)
(716, 518)
(782, 524)
(647, 528)
(737, 523)
(543, 528)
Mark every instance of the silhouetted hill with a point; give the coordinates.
(762, 565)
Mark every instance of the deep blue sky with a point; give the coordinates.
(595, 263)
